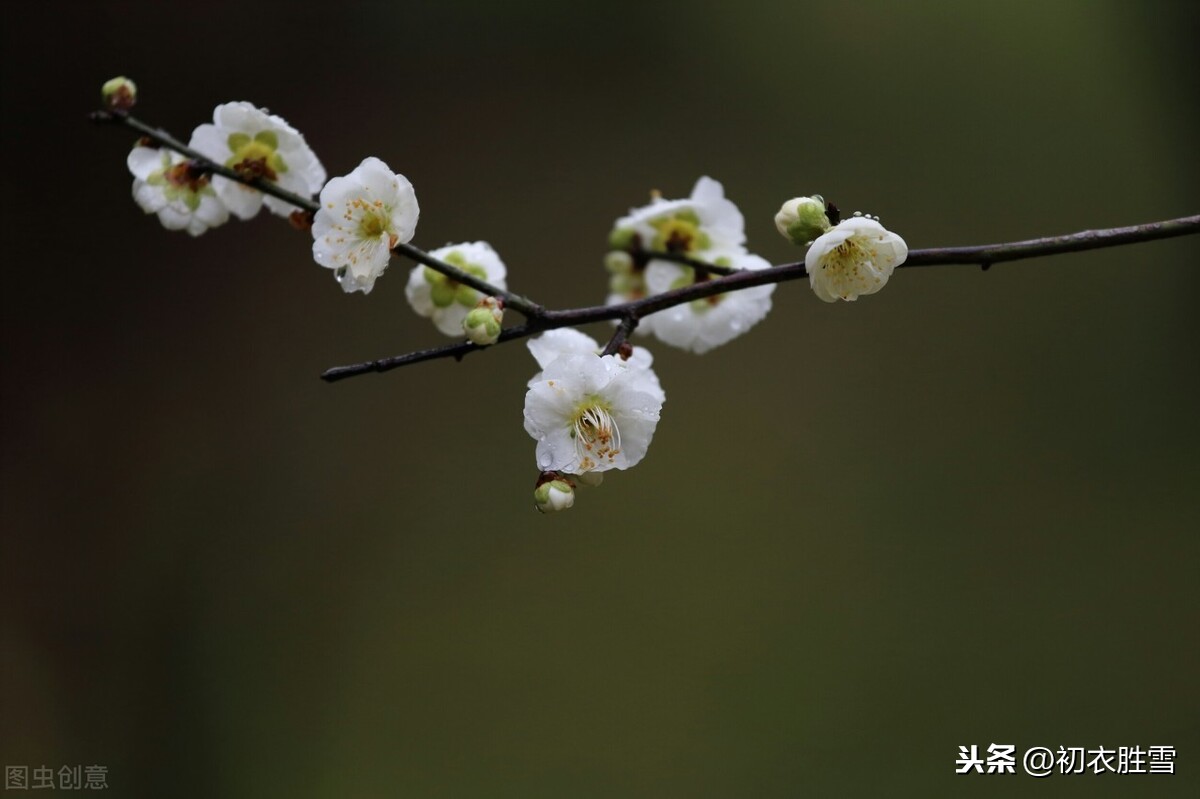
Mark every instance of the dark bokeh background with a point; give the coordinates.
(962, 511)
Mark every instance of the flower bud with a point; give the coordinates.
(623, 239)
(482, 324)
(618, 262)
(553, 496)
(118, 94)
(802, 219)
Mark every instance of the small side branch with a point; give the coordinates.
(622, 334)
(456, 351)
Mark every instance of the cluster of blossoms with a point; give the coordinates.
(845, 259)
(246, 139)
(705, 227)
(588, 412)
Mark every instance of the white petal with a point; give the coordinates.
(379, 182)
(211, 142)
(242, 201)
(481, 254)
(661, 276)
(564, 341)
(149, 198)
(212, 212)
(638, 217)
(405, 211)
(449, 320)
(172, 218)
(239, 116)
(145, 161)
(283, 207)
(351, 283)
(703, 326)
(418, 292)
(548, 409)
(719, 217)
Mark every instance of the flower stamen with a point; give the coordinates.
(596, 435)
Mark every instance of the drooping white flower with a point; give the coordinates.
(590, 414)
(362, 217)
(257, 144)
(445, 300)
(165, 184)
(705, 226)
(854, 258)
(567, 341)
(703, 324)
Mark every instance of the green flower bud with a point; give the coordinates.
(553, 496)
(482, 324)
(618, 262)
(118, 94)
(802, 220)
(622, 239)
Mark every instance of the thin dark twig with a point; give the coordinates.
(518, 303)
(703, 267)
(456, 351)
(987, 254)
(621, 334)
(983, 255)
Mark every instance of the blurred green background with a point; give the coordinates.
(962, 511)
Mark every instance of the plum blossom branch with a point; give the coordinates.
(711, 279)
(203, 164)
(629, 313)
(678, 269)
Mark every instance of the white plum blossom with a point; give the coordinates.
(257, 144)
(444, 299)
(164, 183)
(703, 324)
(854, 258)
(362, 216)
(567, 341)
(705, 226)
(590, 414)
